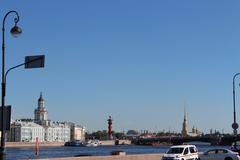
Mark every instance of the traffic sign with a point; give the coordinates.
(235, 126)
(6, 118)
(36, 61)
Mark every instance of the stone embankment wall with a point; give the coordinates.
(121, 157)
(112, 142)
(33, 144)
(55, 144)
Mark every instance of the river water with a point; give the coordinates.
(51, 152)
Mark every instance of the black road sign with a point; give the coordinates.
(34, 61)
(6, 118)
(235, 126)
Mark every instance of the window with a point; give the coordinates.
(186, 151)
(193, 150)
(175, 150)
(211, 152)
(221, 151)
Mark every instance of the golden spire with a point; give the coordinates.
(184, 125)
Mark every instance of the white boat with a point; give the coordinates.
(93, 143)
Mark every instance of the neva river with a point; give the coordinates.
(50, 152)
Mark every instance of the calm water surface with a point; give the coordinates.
(50, 152)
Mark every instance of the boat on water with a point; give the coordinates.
(75, 143)
(93, 143)
(78, 143)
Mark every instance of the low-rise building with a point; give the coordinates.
(26, 131)
(77, 132)
(57, 132)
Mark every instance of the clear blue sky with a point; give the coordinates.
(136, 60)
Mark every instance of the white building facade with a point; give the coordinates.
(77, 132)
(41, 127)
(57, 132)
(24, 131)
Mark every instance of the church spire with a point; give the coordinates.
(185, 115)
(41, 103)
(40, 98)
(184, 125)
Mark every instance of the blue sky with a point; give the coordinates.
(139, 61)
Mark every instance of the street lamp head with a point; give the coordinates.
(16, 31)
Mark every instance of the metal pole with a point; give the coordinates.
(234, 125)
(2, 147)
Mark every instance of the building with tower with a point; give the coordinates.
(40, 113)
(28, 130)
(54, 131)
(195, 132)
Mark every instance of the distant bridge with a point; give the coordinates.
(226, 141)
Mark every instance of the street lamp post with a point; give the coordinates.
(235, 124)
(15, 31)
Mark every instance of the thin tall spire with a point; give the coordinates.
(41, 97)
(185, 114)
(184, 125)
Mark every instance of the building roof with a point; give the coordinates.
(26, 124)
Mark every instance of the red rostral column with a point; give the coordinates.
(110, 127)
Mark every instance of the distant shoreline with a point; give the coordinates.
(33, 144)
(58, 144)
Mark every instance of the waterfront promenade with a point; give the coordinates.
(115, 157)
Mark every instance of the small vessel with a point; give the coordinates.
(75, 143)
(93, 143)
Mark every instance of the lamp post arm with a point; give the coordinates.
(22, 64)
(15, 19)
(12, 69)
(5, 75)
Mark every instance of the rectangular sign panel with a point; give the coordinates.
(6, 117)
(34, 61)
